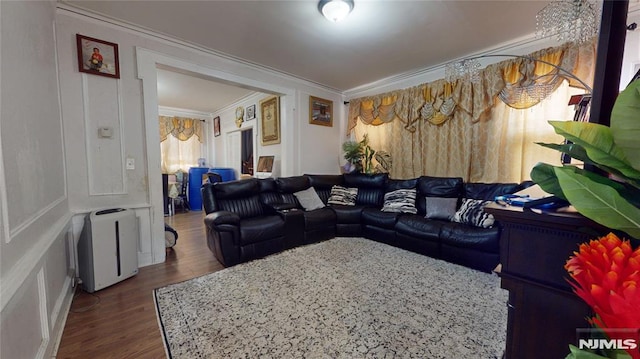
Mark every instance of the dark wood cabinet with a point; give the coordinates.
(544, 313)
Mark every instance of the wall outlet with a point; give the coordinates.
(131, 163)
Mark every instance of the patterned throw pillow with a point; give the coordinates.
(343, 195)
(400, 201)
(309, 199)
(440, 207)
(472, 212)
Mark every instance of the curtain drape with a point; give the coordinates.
(181, 144)
(465, 128)
(499, 149)
(179, 155)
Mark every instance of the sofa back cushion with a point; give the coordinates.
(287, 186)
(292, 184)
(241, 197)
(370, 187)
(324, 183)
(269, 194)
(447, 187)
(488, 191)
(396, 184)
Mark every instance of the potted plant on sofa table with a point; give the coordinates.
(612, 200)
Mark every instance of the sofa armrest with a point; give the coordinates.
(222, 217)
(294, 226)
(283, 206)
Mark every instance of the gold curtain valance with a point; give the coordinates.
(519, 82)
(182, 128)
(377, 110)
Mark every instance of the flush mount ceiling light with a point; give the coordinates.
(335, 10)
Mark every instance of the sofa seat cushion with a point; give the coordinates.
(466, 236)
(415, 225)
(348, 214)
(319, 219)
(375, 217)
(257, 229)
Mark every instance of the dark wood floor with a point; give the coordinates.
(120, 321)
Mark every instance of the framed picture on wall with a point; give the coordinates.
(270, 121)
(97, 57)
(216, 126)
(320, 111)
(251, 112)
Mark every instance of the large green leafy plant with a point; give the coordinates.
(611, 200)
(360, 155)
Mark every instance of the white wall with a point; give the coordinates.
(228, 126)
(313, 142)
(35, 266)
(95, 167)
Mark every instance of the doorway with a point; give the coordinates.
(239, 151)
(247, 152)
(147, 63)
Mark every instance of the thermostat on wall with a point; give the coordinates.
(105, 132)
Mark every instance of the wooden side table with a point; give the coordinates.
(544, 313)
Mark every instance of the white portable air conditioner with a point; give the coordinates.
(108, 248)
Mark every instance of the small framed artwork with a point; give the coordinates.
(216, 126)
(251, 112)
(270, 120)
(320, 111)
(97, 57)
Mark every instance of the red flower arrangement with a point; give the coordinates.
(606, 274)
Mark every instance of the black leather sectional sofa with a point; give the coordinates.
(253, 218)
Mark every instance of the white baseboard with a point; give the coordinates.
(60, 313)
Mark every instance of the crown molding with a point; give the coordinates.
(419, 76)
(251, 97)
(183, 112)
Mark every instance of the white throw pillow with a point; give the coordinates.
(309, 199)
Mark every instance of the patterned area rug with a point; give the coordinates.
(343, 298)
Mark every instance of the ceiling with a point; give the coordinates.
(379, 39)
(189, 91)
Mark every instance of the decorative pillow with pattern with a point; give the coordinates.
(440, 207)
(309, 199)
(400, 201)
(343, 195)
(472, 212)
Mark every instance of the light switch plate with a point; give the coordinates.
(131, 163)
